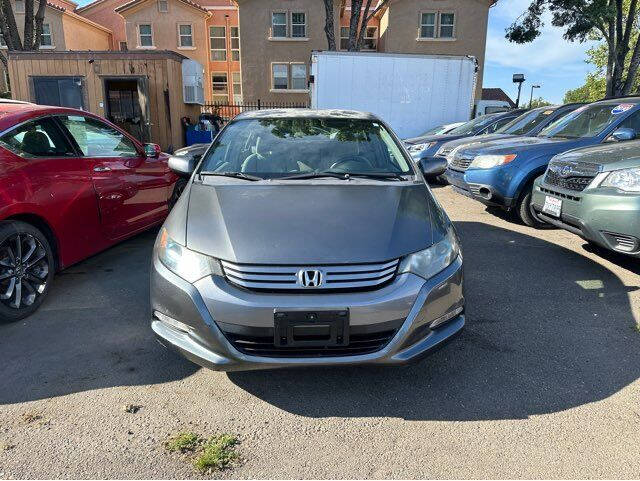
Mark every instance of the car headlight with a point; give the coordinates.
(429, 262)
(625, 179)
(417, 148)
(188, 264)
(489, 161)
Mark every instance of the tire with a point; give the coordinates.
(26, 270)
(178, 189)
(525, 212)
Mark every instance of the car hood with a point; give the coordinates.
(309, 222)
(610, 156)
(519, 145)
(475, 140)
(432, 138)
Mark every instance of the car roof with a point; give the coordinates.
(15, 113)
(297, 113)
(619, 100)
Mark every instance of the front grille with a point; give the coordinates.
(461, 161)
(622, 242)
(571, 175)
(282, 277)
(259, 342)
(560, 194)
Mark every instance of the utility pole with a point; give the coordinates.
(518, 78)
(531, 98)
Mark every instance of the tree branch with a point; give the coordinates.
(329, 28)
(356, 10)
(39, 20)
(28, 24)
(13, 39)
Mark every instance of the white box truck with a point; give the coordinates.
(412, 93)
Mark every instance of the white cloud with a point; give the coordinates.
(549, 52)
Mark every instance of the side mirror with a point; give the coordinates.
(152, 150)
(184, 166)
(622, 134)
(432, 168)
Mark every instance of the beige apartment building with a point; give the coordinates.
(260, 49)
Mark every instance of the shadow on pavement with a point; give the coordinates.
(547, 330)
(92, 332)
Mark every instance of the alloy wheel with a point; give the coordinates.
(24, 270)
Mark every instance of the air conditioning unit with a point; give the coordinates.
(192, 82)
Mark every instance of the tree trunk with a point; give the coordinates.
(39, 20)
(329, 28)
(13, 38)
(354, 23)
(633, 69)
(610, 60)
(27, 39)
(363, 25)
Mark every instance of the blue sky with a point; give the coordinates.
(551, 61)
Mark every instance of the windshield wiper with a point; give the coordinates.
(345, 175)
(237, 175)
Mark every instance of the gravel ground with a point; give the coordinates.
(543, 382)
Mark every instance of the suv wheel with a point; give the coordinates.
(525, 212)
(26, 269)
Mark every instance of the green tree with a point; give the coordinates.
(615, 22)
(538, 102)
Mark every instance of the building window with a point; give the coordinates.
(370, 39)
(428, 25)
(437, 25)
(235, 44)
(145, 35)
(218, 39)
(163, 6)
(298, 25)
(19, 6)
(45, 39)
(279, 24)
(447, 22)
(237, 86)
(344, 38)
(123, 46)
(289, 76)
(220, 87)
(185, 37)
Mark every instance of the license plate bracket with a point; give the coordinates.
(552, 206)
(311, 327)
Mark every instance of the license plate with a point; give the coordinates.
(552, 206)
(295, 328)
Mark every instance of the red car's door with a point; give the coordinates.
(46, 177)
(132, 189)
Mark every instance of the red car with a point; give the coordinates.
(71, 185)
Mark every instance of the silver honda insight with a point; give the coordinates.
(305, 238)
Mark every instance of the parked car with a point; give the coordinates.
(442, 129)
(529, 123)
(71, 184)
(501, 173)
(423, 149)
(306, 237)
(594, 192)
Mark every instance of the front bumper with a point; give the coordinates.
(201, 306)
(478, 184)
(602, 215)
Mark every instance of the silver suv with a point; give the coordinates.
(305, 238)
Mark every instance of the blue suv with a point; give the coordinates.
(501, 173)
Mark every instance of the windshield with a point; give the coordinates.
(587, 121)
(526, 122)
(440, 129)
(283, 147)
(473, 125)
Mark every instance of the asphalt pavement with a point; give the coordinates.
(543, 381)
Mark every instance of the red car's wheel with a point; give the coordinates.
(26, 269)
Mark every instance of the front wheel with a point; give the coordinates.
(525, 212)
(26, 269)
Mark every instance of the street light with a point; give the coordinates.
(531, 98)
(518, 78)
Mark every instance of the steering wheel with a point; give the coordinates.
(352, 159)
